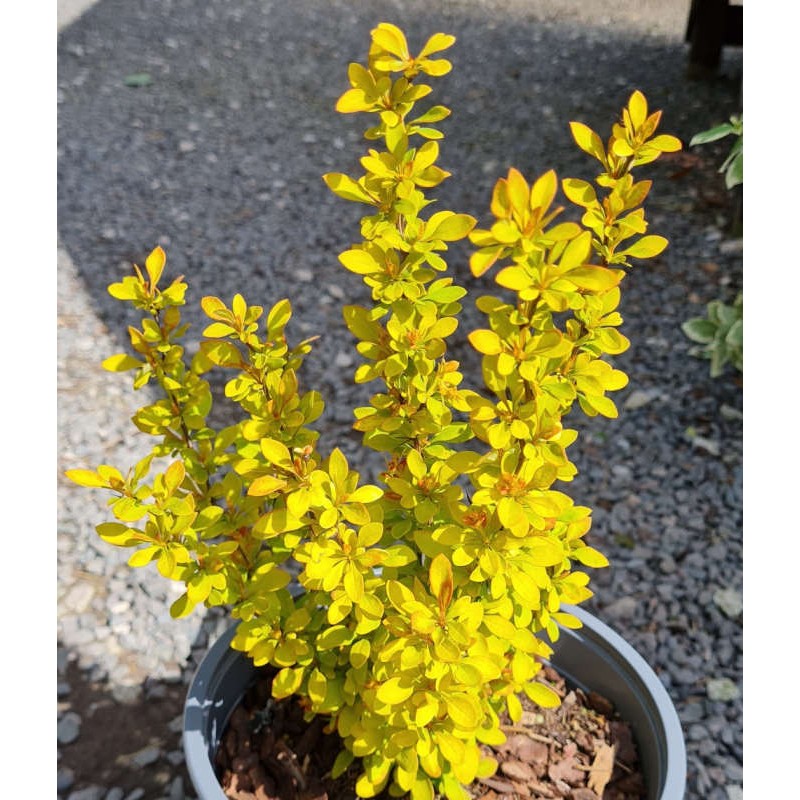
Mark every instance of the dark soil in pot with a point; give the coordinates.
(579, 751)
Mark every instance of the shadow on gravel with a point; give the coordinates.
(128, 738)
(219, 156)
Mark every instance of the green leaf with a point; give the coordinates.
(712, 134)
(699, 330)
(735, 172)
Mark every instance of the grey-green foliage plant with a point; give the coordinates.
(733, 165)
(718, 335)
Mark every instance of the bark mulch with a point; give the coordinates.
(581, 750)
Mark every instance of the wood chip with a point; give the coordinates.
(602, 767)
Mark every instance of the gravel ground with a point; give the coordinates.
(219, 159)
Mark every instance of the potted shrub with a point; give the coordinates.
(412, 616)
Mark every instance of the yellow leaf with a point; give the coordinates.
(351, 101)
(590, 557)
(514, 708)
(422, 788)
(665, 143)
(437, 43)
(544, 191)
(287, 682)
(214, 308)
(277, 453)
(588, 141)
(392, 693)
(347, 188)
(389, 37)
(155, 265)
(359, 653)
(441, 580)
(453, 228)
(637, 108)
(621, 148)
(595, 279)
(646, 247)
(174, 475)
(482, 260)
(121, 363)
(216, 330)
(85, 477)
(360, 262)
(486, 342)
(518, 192)
(365, 494)
(144, 556)
(579, 192)
(542, 695)
(463, 710)
(266, 484)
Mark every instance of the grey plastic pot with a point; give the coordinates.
(594, 658)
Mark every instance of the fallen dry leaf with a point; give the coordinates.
(602, 767)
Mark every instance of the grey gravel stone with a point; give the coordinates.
(87, 793)
(115, 793)
(145, 756)
(65, 777)
(136, 794)
(624, 608)
(69, 728)
(176, 789)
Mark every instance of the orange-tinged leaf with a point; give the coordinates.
(214, 308)
(518, 192)
(588, 141)
(278, 316)
(482, 260)
(440, 576)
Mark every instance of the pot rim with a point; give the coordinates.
(645, 686)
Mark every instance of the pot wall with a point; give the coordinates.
(594, 657)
